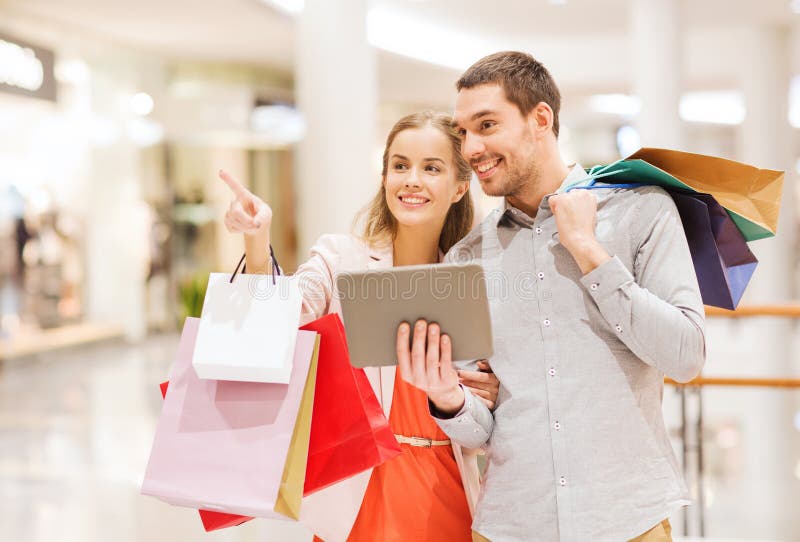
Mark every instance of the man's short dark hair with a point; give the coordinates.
(524, 79)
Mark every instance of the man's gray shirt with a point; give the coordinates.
(577, 448)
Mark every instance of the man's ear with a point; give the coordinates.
(541, 117)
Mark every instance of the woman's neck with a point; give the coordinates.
(415, 246)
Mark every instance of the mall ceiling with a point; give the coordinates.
(585, 42)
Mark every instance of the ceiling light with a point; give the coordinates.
(290, 7)
(615, 104)
(794, 101)
(714, 107)
(413, 37)
(73, 71)
(145, 132)
(398, 33)
(282, 123)
(142, 104)
(20, 67)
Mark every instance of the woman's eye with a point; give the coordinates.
(462, 133)
(433, 169)
(485, 125)
(400, 166)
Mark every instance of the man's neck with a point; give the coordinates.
(551, 175)
(416, 245)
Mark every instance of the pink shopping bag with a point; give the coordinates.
(222, 445)
(213, 521)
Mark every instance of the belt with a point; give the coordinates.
(420, 441)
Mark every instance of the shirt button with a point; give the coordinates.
(594, 286)
(552, 371)
(540, 275)
(547, 323)
(562, 481)
(538, 230)
(618, 328)
(557, 426)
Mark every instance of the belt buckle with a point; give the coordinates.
(421, 442)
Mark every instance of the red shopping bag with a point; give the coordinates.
(349, 431)
(213, 521)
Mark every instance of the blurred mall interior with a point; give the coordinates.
(116, 116)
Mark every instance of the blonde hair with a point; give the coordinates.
(380, 226)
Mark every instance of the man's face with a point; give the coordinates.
(496, 140)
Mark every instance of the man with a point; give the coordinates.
(594, 299)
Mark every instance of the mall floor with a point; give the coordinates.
(75, 433)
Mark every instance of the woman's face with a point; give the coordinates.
(420, 179)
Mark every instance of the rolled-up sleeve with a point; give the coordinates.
(470, 427)
(656, 310)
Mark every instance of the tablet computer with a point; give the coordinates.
(375, 302)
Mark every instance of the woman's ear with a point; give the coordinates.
(463, 187)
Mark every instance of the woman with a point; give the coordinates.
(421, 210)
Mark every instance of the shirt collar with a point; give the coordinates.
(507, 212)
(577, 173)
(381, 255)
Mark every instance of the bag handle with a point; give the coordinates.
(276, 268)
(598, 172)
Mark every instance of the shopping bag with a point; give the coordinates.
(234, 447)
(248, 328)
(722, 260)
(723, 263)
(349, 431)
(212, 521)
(751, 196)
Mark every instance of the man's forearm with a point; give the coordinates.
(589, 255)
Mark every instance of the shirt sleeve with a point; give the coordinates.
(657, 310)
(316, 278)
(471, 426)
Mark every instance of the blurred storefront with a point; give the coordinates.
(110, 207)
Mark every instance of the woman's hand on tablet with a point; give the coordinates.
(425, 361)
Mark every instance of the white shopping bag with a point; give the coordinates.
(248, 328)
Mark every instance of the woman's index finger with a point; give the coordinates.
(238, 188)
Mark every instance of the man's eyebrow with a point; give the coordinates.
(476, 116)
(479, 114)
